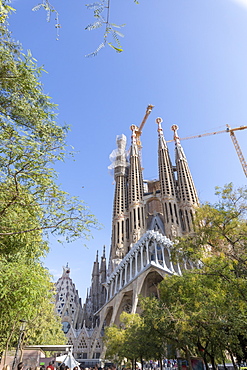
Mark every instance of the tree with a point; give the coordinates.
(27, 294)
(32, 205)
(198, 314)
(220, 228)
(114, 338)
(30, 143)
(218, 287)
(134, 343)
(203, 312)
(127, 341)
(134, 340)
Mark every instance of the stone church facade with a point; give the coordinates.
(147, 217)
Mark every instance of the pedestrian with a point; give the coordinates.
(50, 366)
(62, 366)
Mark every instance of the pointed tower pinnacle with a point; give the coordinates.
(120, 233)
(167, 186)
(135, 192)
(95, 286)
(102, 278)
(187, 194)
(96, 265)
(103, 267)
(66, 270)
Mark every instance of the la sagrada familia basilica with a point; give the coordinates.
(147, 217)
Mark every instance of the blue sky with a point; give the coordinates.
(186, 57)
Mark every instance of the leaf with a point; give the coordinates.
(119, 33)
(94, 5)
(117, 26)
(37, 7)
(118, 50)
(93, 26)
(94, 53)
(116, 39)
(98, 11)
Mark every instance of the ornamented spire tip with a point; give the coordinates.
(134, 129)
(159, 120)
(175, 129)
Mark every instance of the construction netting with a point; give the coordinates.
(119, 156)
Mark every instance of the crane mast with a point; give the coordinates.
(138, 130)
(237, 147)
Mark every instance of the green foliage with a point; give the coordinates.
(5, 10)
(202, 313)
(219, 228)
(134, 340)
(30, 143)
(101, 14)
(27, 294)
(49, 8)
(114, 338)
(32, 205)
(125, 341)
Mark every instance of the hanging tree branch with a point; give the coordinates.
(102, 19)
(101, 14)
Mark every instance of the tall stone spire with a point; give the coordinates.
(135, 192)
(67, 302)
(119, 228)
(188, 198)
(95, 288)
(167, 186)
(102, 277)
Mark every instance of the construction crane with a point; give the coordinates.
(138, 130)
(234, 140)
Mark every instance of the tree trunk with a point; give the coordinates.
(211, 359)
(188, 357)
(7, 343)
(233, 362)
(161, 364)
(224, 363)
(213, 363)
(205, 361)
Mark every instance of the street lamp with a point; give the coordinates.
(22, 329)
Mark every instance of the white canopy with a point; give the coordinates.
(68, 360)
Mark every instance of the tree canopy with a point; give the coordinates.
(31, 142)
(129, 340)
(32, 204)
(203, 312)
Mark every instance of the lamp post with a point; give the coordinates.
(22, 328)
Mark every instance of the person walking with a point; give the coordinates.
(50, 366)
